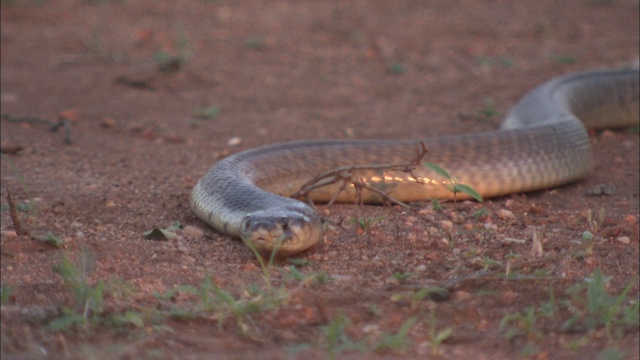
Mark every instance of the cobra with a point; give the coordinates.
(543, 142)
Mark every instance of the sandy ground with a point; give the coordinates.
(130, 79)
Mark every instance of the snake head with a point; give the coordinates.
(287, 230)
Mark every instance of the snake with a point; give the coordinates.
(543, 142)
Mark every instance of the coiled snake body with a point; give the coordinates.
(542, 143)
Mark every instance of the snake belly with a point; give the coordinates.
(543, 142)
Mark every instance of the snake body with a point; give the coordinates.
(543, 142)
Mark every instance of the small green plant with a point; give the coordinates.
(265, 266)
(452, 184)
(401, 276)
(397, 342)
(28, 206)
(591, 308)
(365, 223)
(87, 299)
(437, 337)
(50, 239)
(530, 350)
(168, 233)
(491, 61)
(526, 323)
(208, 112)
(596, 308)
(173, 62)
(397, 68)
(5, 292)
(488, 112)
(87, 305)
(612, 354)
(479, 213)
(595, 220)
(565, 59)
(255, 43)
(489, 263)
(436, 205)
(218, 303)
(435, 293)
(336, 339)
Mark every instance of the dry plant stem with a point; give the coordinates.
(486, 276)
(53, 125)
(346, 175)
(14, 215)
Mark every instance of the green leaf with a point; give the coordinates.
(443, 335)
(208, 112)
(440, 171)
(167, 233)
(401, 276)
(468, 190)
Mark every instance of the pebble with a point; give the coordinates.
(108, 123)
(505, 214)
(192, 232)
(602, 189)
(426, 211)
(9, 234)
(234, 141)
(446, 225)
(462, 295)
(624, 239)
(410, 220)
(490, 226)
(420, 268)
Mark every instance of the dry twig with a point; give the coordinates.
(346, 175)
(53, 125)
(14, 215)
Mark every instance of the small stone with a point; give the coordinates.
(108, 123)
(509, 296)
(420, 268)
(234, 141)
(505, 214)
(9, 234)
(535, 209)
(426, 211)
(463, 295)
(624, 239)
(410, 220)
(601, 189)
(192, 232)
(446, 225)
(490, 226)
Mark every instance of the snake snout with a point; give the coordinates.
(286, 234)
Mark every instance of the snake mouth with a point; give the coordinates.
(284, 235)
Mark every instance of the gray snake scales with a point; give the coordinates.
(543, 142)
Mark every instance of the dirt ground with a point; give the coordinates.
(154, 93)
